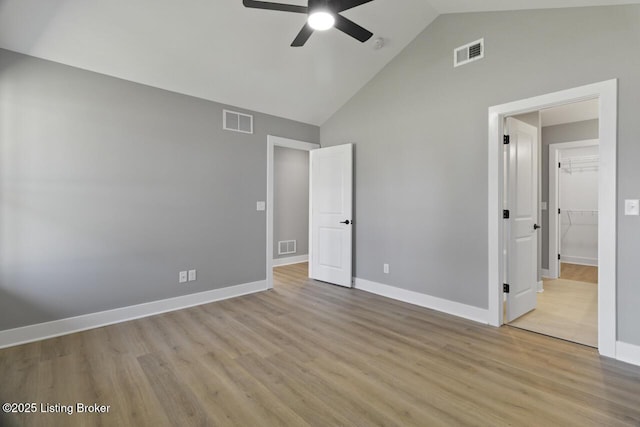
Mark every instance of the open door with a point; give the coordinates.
(522, 225)
(330, 214)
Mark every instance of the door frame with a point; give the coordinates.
(272, 143)
(554, 191)
(607, 93)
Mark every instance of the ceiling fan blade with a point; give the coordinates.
(302, 36)
(351, 28)
(348, 4)
(274, 6)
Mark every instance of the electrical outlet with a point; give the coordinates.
(192, 275)
(385, 268)
(631, 207)
(182, 277)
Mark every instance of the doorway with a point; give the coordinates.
(279, 248)
(573, 179)
(606, 93)
(566, 304)
(330, 184)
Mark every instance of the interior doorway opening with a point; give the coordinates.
(606, 93)
(566, 302)
(288, 224)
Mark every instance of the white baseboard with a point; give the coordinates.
(70, 325)
(450, 307)
(540, 286)
(629, 353)
(579, 260)
(278, 262)
(545, 273)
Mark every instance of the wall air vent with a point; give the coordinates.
(286, 247)
(468, 53)
(237, 122)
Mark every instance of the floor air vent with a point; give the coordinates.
(468, 53)
(237, 122)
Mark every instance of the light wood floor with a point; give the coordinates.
(308, 353)
(581, 273)
(567, 309)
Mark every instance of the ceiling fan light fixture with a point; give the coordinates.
(321, 20)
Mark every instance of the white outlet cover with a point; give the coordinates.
(385, 268)
(260, 206)
(632, 207)
(192, 275)
(182, 277)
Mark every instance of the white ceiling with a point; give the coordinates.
(221, 51)
(569, 113)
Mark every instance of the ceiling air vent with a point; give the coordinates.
(237, 122)
(468, 53)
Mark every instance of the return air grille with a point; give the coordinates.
(237, 122)
(468, 53)
(286, 247)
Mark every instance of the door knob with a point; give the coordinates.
(536, 226)
(345, 222)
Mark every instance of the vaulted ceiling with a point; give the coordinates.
(221, 51)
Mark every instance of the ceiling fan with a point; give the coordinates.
(322, 15)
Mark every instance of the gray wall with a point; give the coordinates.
(109, 188)
(291, 199)
(420, 129)
(578, 131)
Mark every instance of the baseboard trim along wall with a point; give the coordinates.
(580, 260)
(629, 353)
(279, 262)
(540, 286)
(41, 331)
(545, 273)
(450, 307)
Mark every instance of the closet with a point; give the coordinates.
(578, 198)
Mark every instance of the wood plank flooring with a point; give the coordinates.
(313, 354)
(567, 309)
(580, 273)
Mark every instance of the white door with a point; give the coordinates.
(330, 214)
(522, 203)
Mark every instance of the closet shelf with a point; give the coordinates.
(580, 164)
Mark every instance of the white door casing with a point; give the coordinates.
(330, 214)
(522, 225)
(607, 93)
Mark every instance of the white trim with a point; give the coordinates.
(607, 93)
(546, 274)
(272, 142)
(450, 307)
(554, 231)
(593, 262)
(629, 353)
(540, 286)
(70, 325)
(278, 262)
